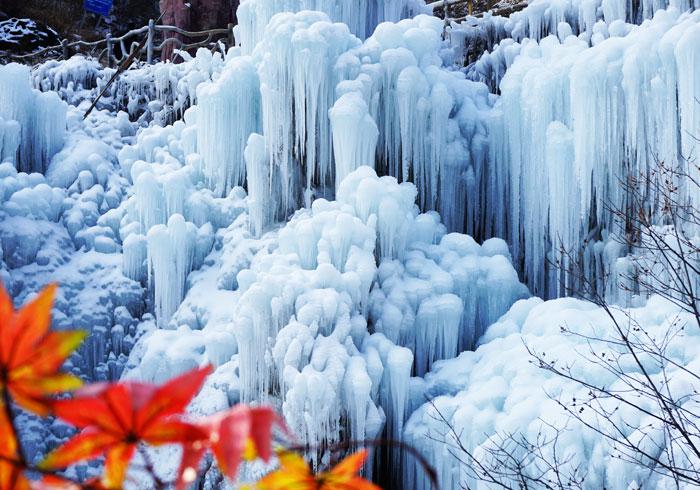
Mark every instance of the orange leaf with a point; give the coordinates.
(293, 463)
(351, 464)
(11, 477)
(8, 443)
(88, 444)
(116, 464)
(263, 418)
(30, 324)
(103, 405)
(228, 439)
(52, 482)
(7, 313)
(239, 433)
(174, 430)
(31, 393)
(51, 352)
(293, 473)
(52, 383)
(117, 416)
(30, 355)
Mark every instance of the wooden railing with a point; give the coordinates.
(127, 44)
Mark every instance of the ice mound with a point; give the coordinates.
(497, 391)
(56, 226)
(167, 225)
(300, 311)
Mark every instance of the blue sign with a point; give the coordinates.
(101, 7)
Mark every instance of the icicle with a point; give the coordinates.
(134, 258)
(437, 330)
(361, 16)
(355, 135)
(228, 112)
(9, 140)
(171, 254)
(263, 204)
(41, 117)
(555, 92)
(150, 203)
(298, 57)
(687, 54)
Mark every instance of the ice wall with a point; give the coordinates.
(41, 118)
(330, 316)
(167, 226)
(160, 92)
(560, 190)
(297, 59)
(431, 121)
(476, 38)
(331, 103)
(361, 16)
(230, 112)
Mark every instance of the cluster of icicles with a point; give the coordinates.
(309, 104)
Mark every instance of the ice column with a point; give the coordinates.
(229, 111)
(355, 135)
(41, 117)
(171, 256)
(298, 80)
(261, 199)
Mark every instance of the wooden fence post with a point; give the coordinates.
(66, 50)
(231, 37)
(109, 50)
(446, 16)
(149, 46)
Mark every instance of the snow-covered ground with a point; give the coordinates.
(25, 36)
(293, 211)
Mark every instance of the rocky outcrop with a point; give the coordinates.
(196, 15)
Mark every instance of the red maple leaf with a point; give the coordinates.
(239, 433)
(30, 355)
(116, 417)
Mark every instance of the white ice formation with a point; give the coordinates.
(324, 332)
(559, 193)
(361, 16)
(32, 123)
(293, 210)
(496, 391)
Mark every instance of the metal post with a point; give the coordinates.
(149, 46)
(109, 50)
(66, 50)
(231, 38)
